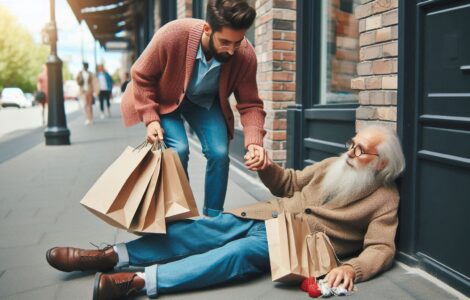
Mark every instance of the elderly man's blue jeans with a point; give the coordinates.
(211, 130)
(198, 253)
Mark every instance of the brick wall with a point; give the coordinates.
(377, 70)
(275, 50)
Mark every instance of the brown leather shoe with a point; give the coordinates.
(117, 285)
(70, 259)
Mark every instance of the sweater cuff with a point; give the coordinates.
(149, 117)
(270, 172)
(357, 269)
(254, 135)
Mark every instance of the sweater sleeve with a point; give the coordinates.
(145, 74)
(285, 182)
(379, 247)
(249, 103)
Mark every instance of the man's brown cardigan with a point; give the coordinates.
(161, 75)
(363, 228)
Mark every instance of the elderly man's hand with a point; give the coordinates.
(256, 158)
(343, 275)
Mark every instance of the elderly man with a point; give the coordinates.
(352, 198)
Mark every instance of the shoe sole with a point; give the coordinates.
(96, 285)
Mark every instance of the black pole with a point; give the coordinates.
(56, 132)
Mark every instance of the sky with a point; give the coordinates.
(34, 14)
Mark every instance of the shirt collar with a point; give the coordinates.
(200, 55)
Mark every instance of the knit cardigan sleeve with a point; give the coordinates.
(378, 248)
(285, 182)
(145, 74)
(249, 104)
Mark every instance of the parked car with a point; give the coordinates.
(13, 96)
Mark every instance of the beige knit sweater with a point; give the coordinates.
(362, 230)
(161, 75)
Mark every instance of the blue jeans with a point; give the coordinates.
(211, 130)
(199, 253)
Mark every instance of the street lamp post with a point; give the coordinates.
(56, 132)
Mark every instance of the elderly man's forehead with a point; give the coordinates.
(370, 136)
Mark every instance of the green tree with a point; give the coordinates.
(20, 57)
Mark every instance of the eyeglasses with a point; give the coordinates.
(223, 47)
(357, 149)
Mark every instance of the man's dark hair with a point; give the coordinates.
(85, 66)
(236, 14)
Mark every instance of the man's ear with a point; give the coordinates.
(207, 29)
(382, 164)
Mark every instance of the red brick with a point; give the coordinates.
(382, 66)
(367, 38)
(370, 52)
(288, 66)
(275, 124)
(390, 18)
(373, 83)
(283, 76)
(363, 11)
(358, 83)
(361, 124)
(283, 96)
(364, 68)
(289, 36)
(390, 49)
(289, 56)
(283, 45)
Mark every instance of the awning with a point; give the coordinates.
(106, 19)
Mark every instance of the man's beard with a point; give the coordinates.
(345, 182)
(221, 57)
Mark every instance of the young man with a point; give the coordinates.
(189, 70)
(352, 198)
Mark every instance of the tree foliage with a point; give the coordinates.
(20, 57)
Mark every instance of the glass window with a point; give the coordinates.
(340, 51)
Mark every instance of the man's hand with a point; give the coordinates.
(344, 274)
(256, 158)
(154, 131)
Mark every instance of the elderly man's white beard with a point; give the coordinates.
(344, 182)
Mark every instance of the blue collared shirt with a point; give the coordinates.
(204, 85)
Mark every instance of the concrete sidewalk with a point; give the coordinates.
(40, 190)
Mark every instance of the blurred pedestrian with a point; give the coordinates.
(86, 81)
(127, 78)
(106, 86)
(42, 92)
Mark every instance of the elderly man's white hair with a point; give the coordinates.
(390, 150)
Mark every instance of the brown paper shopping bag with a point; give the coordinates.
(150, 216)
(322, 257)
(292, 254)
(179, 198)
(116, 196)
